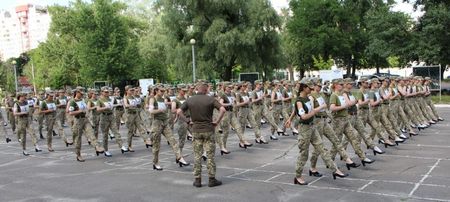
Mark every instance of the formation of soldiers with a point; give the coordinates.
(394, 108)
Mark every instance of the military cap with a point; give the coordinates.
(381, 78)
(307, 82)
(181, 86)
(276, 82)
(257, 82)
(427, 78)
(363, 79)
(337, 81)
(374, 80)
(348, 80)
(61, 91)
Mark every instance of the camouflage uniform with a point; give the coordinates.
(51, 120)
(160, 126)
(244, 114)
(10, 115)
(134, 122)
(257, 109)
(342, 125)
(107, 121)
(23, 123)
(308, 134)
(182, 126)
(229, 119)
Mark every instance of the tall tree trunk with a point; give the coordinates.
(302, 73)
(227, 73)
(291, 72)
(378, 69)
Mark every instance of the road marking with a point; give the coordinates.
(424, 178)
(366, 185)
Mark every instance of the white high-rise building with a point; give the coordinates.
(22, 29)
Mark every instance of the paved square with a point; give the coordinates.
(415, 171)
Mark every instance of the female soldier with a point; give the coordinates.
(308, 133)
(242, 105)
(78, 109)
(386, 96)
(356, 122)
(94, 117)
(268, 111)
(258, 107)
(339, 104)
(104, 108)
(21, 111)
(324, 128)
(160, 126)
(182, 126)
(134, 122)
(48, 108)
(118, 107)
(277, 104)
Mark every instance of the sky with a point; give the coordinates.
(277, 4)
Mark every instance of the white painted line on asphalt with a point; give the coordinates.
(314, 181)
(416, 157)
(424, 178)
(277, 175)
(366, 185)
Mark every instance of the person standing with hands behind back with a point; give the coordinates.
(203, 131)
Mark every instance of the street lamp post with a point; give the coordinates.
(15, 73)
(193, 60)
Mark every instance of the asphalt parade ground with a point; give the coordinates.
(417, 170)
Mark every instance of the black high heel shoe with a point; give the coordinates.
(351, 165)
(148, 145)
(273, 137)
(112, 137)
(413, 134)
(299, 183)
(248, 145)
(243, 146)
(8, 140)
(315, 174)
(123, 151)
(340, 176)
(25, 153)
(37, 150)
(224, 152)
(280, 133)
(99, 152)
(158, 168)
(204, 158)
(366, 162)
(385, 144)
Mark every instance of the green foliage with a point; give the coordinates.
(322, 64)
(88, 42)
(227, 33)
(433, 33)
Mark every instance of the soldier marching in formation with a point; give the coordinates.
(395, 109)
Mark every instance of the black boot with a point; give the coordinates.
(41, 136)
(198, 182)
(214, 182)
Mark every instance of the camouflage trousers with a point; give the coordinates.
(12, 121)
(386, 123)
(393, 111)
(107, 123)
(182, 130)
(426, 109)
(325, 129)
(432, 107)
(257, 113)
(204, 141)
(286, 112)
(53, 121)
(162, 127)
(24, 124)
(360, 132)
(83, 126)
(308, 134)
(409, 112)
(380, 131)
(404, 121)
(146, 120)
(415, 109)
(94, 119)
(134, 124)
(244, 115)
(40, 122)
(342, 126)
(229, 119)
(268, 115)
(61, 116)
(118, 114)
(277, 110)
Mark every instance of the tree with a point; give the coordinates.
(227, 32)
(89, 41)
(433, 33)
(389, 35)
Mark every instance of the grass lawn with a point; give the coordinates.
(444, 100)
